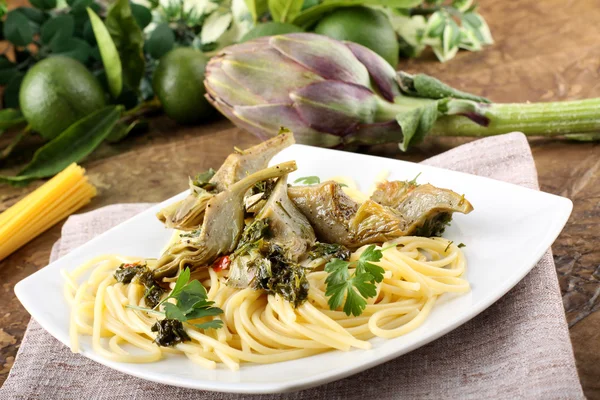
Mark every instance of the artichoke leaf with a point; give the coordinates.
(221, 229)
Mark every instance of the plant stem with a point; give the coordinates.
(533, 119)
(150, 105)
(16, 140)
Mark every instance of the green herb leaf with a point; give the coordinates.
(214, 324)
(308, 180)
(172, 311)
(142, 15)
(355, 303)
(336, 293)
(364, 263)
(109, 54)
(161, 41)
(129, 41)
(205, 311)
(285, 10)
(461, 245)
(182, 280)
(72, 145)
(43, 4)
(190, 304)
(17, 29)
(359, 286)
(338, 271)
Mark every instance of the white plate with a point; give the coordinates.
(506, 235)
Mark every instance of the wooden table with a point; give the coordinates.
(544, 51)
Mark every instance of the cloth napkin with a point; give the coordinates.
(517, 348)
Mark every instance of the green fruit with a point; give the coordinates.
(56, 92)
(179, 84)
(362, 25)
(270, 29)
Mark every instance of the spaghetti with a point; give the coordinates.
(55, 200)
(261, 328)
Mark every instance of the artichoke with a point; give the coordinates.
(332, 94)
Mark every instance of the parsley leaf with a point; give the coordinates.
(174, 312)
(355, 287)
(355, 303)
(461, 245)
(308, 180)
(191, 303)
(413, 181)
(364, 263)
(214, 324)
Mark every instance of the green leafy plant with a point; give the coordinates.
(109, 54)
(79, 140)
(446, 27)
(121, 42)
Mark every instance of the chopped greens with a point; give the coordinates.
(154, 292)
(263, 265)
(308, 180)
(141, 274)
(355, 287)
(170, 332)
(252, 235)
(329, 251)
(276, 275)
(190, 304)
(461, 245)
(413, 181)
(202, 180)
(447, 247)
(126, 272)
(434, 226)
(264, 187)
(192, 234)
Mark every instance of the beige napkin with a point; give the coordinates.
(518, 348)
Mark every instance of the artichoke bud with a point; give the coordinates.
(329, 93)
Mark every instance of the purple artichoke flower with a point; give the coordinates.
(332, 93)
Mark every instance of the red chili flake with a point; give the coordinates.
(135, 264)
(221, 263)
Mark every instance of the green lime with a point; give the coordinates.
(270, 29)
(56, 92)
(362, 25)
(179, 84)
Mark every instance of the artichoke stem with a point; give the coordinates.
(533, 119)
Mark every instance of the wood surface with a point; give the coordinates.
(544, 51)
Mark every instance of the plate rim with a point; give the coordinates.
(561, 214)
